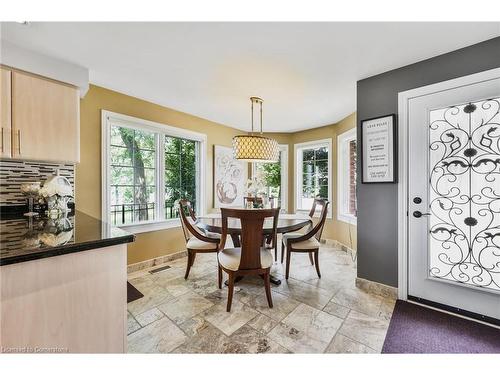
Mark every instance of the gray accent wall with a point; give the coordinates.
(378, 203)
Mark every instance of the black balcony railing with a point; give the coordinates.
(132, 212)
(129, 213)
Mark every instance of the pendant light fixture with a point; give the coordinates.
(255, 148)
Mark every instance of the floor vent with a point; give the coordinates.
(156, 270)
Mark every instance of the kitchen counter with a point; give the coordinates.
(22, 239)
(64, 284)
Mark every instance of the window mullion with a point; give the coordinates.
(160, 176)
(299, 173)
(134, 179)
(197, 182)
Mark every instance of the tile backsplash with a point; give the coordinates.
(13, 173)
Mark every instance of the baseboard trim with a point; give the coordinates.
(338, 244)
(378, 289)
(134, 267)
(139, 266)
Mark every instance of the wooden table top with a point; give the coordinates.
(286, 223)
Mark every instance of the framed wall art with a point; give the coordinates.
(378, 150)
(230, 176)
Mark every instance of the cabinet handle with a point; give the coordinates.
(2, 140)
(19, 140)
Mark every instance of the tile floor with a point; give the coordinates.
(310, 315)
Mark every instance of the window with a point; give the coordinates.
(180, 173)
(346, 189)
(133, 182)
(147, 168)
(312, 172)
(275, 176)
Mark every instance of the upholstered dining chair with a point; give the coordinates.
(308, 242)
(312, 211)
(252, 258)
(196, 240)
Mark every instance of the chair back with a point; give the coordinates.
(315, 230)
(318, 228)
(188, 208)
(188, 219)
(252, 233)
(316, 202)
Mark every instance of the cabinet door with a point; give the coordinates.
(5, 113)
(45, 119)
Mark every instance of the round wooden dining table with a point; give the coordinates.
(286, 223)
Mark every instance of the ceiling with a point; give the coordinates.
(305, 72)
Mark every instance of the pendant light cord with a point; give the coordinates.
(255, 100)
(252, 115)
(260, 117)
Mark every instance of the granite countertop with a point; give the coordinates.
(22, 239)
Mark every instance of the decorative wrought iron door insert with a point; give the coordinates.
(464, 194)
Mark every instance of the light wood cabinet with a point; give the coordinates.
(75, 303)
(5, 113)
(45, 119)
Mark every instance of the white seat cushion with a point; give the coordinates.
(311, 243)
(230, 258)
(196, 244)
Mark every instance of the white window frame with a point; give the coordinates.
(284, 176)
(343, 176)
(109, 118)
(298, 148)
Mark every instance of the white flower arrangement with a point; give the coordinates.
(255, 185)
(56, 191)
(52, 189)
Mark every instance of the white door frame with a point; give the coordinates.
(403, 101)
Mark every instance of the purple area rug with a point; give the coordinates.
(416, 329)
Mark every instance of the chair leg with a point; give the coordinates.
(267, 284)
(282, 251)
(316, 257)
(190, 261)
(230, 291)
(311, 259)
(219, 279)
(288, 256)
(275, 243)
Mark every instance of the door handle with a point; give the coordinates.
(418, 214)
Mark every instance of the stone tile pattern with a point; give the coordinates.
(13, 173)
(310, 315)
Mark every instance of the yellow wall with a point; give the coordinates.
(88, 171)
(154, 244)
(334, 229)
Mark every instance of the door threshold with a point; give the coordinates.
(479, 318)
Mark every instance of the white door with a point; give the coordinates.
(454, 194)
